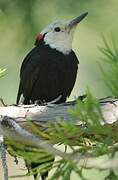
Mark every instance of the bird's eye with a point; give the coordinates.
(57, 29)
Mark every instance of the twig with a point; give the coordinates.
(2, 101)
(3, 158)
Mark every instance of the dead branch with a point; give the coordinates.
(51, 112)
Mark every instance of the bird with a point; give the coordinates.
(50, 69)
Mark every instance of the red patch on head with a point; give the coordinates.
(39, 37)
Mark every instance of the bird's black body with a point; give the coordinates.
(46, 74)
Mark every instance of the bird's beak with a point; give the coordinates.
(76, 20)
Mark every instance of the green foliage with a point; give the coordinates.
(112, 176)
(110, 51)
(2, 72)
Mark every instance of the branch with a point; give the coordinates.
(51, 113)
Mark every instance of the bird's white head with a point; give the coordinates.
(59, 35)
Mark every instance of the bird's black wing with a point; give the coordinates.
(28, 75)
